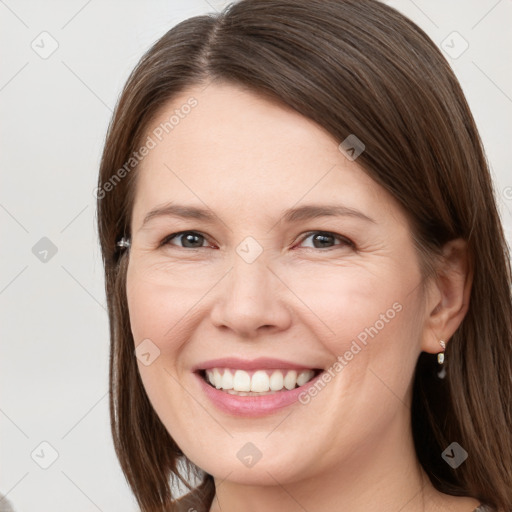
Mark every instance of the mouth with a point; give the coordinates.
(257, 382)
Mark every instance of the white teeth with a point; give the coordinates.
(227, 380)
(217, 379)
(290, 380)
(241, 381)
(261, 381)
(276, 381)
(304, 377)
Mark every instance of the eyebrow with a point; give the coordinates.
(292, 215)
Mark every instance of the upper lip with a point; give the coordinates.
(253, 364)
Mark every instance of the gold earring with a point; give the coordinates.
(440, 355)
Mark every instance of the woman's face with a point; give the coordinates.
(273, 283)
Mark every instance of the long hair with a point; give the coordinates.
(354, 67)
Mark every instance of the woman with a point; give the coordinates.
(307, 278)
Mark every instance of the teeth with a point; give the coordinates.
(290, 380)
(276, 381)
(227, 381)
(303, 377)
(217, 379)
(261, 381)
(241, 381)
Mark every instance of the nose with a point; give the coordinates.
(251, 300)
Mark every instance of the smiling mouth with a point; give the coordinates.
(257, 382)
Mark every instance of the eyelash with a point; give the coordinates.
(345, 241)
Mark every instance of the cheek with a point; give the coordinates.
(159, 301)
(156, 310)
(349, 303)
(372, 321)
(368, 318)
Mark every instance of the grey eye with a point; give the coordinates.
(189, 239)
(322, 240)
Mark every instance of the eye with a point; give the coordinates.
(322, 239)
(195, 240)
(190, 239)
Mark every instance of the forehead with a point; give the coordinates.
(226, 145)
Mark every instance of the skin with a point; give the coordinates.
(248, 159)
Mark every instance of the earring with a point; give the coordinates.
(124, 243)
(440, 355)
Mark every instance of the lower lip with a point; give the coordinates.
(253, 405)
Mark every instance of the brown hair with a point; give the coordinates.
(355, 67)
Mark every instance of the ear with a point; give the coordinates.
(447, 300)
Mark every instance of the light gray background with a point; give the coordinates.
(54, 115)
